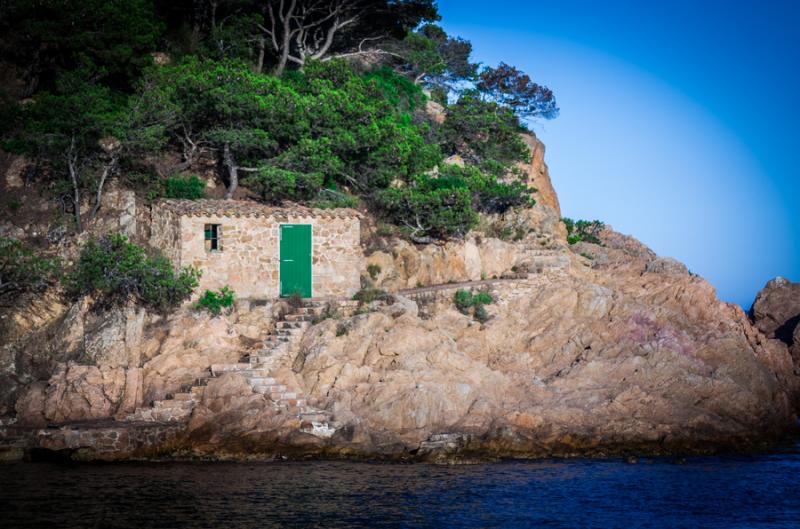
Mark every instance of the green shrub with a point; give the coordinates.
(189, 187)
(119, 270)
(370, 294)
(429, 210)
(215, 301)
(480, 314)
(482, 298)
(331, 199)
(583, 230)
(21, 270)
(463, 300)
(467, 303)
(373, 270)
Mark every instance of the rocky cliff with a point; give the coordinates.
(587, 349)
(776, 313)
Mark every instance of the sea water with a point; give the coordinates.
(761, 490)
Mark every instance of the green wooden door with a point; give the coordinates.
(296, 259)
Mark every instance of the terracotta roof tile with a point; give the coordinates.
(248, 208)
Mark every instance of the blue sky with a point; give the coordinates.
(679, 121)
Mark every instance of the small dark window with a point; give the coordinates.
(213, 233)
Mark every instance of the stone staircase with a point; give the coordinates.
(539, 258)
(257, 368)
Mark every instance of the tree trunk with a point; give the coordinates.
(286, 38)
(197, 20)
(262, 45)
(72, 164)
(233, 171)
(107, 170)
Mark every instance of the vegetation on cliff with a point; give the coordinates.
(22, 270)
(117, 270)
(316, 102)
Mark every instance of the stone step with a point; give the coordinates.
(187, 395)
(269, 388)
(261, 381)
(316, 416)
(292, 324)
(224, 368)
(198, 391)
(261, 359)
(164, 411)
(294, 403)
(312, 311)
(254, 372)
(297, 317)
(172, 404)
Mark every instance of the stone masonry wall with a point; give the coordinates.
(165, 233)
(250, 262)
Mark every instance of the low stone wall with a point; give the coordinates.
(104, 441)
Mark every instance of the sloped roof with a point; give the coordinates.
(247, 208)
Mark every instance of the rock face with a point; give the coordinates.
(586, 360)
(588, 349)
(534, 239)
(539, 175)
(776, 313)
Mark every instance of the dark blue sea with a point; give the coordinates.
(722, 491)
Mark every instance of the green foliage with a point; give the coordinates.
(436, 59)
(325, 125)
(397, 89)
(70, 120)
(583, 230)
(190, 187)
(215, 301)
(118, 270)
(331, 199)
(22, 270)
(480, 314)
(467, 303)
(512, 88)
(483, 132)
(112, 37)
(428, 210)
(373, 270)
(329, 133)
(482, 298)
(463, 300)
(488, 194)
(367, 295)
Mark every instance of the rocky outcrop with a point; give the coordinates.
(579, 361)
(587, 349)
(539, 175)
(776, 313)
(533, 239)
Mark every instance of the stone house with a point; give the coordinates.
(259, 250)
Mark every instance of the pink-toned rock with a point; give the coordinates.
(77, 393)
(30, 406)
(132, 397)
(538, 174)
(230, 390)
(776, 310)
